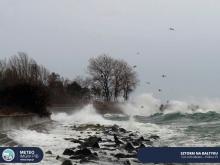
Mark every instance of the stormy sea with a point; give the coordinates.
(85, 136)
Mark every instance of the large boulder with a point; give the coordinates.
(92, 141)
(121, 155)
(117, 141)
(84, 155)
(48, 152)
(96, 145)
(122, 130)
(85, 152)
(67, 162)
(68, 152)
(114, 128)
(129, 147)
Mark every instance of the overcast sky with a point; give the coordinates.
(64, 34)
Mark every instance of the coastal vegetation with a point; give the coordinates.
(28, 87)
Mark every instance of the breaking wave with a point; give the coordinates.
(147, 105)
(146, 109)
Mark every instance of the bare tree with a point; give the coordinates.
(112, 77)
(129, 81)
(43, 74)
(23, 68)
(3, 64)
(101, 69)
(20, 68)
(118, 68)
(83, 82)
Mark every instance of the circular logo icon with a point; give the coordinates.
(8, 155)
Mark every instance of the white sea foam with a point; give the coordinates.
(144, 105)
(86, 115)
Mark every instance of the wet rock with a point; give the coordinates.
(109, 145)
(127, 139)
(103, 152)
(127, 162)
(135, 143)
(77, 157)
(68, 138)
(155, 137)
(84, 160)
(138, 141)
(57, 157)
(109, 149)
(117, 141)
(137, 161)
(122, 130)
(95, 154)
(85, 155)
(131, 134)
(96, 145)
(141, 146)
(121, 155)
(89, 158)
(92, 141)
(107, 140)
(85, 152)
(90, 127)
(129, 147)
(114, 128)
(48, 152)
(68, 152)
(67, 162)
(76, 141)
(141, 138)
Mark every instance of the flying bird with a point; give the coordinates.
(148, 83)
(159, 90)
(164, 76)
(138, 53)
(135, 66)
(172, 29)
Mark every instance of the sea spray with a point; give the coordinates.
(147, 105)
(86, 115)
(144, 105)
(180, 124)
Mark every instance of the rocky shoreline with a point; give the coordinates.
(112, 144)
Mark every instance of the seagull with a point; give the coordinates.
(164, 76)
(148, 83)
(172, 29)
(138, 53)
(135, 66)
(159, 90)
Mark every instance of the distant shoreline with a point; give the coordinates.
(6, 111)
(16, 115)
(101, 108)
